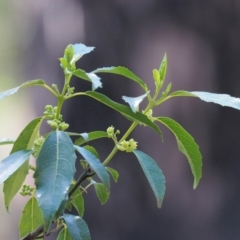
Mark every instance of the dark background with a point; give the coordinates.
(201, 39)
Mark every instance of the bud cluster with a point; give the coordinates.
(111, 133)
(128, 146)
(26, 190)
(37, 145)
(50, 114)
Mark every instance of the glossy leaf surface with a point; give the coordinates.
(26, 84)
(91, 136)
(11, 163)
(77, 227)
(134, 102)
(79, 50)
(154, 175)
(91, 77)
(126, 111)
(224, 100)
(123, 72)
(31, 217)
(187, 146)
(55, 168)
(24, 141)
(96, 165)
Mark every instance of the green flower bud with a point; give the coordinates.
(110, 131)
(63, 126)
(53, 124)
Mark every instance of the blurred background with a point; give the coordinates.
(201, 39)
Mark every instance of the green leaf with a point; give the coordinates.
(92, 150)
(9, 92)
(91, 77)
(81, 74)
(77, 227)
(114, 173)
(126, 111)
(31, 218)
(91, 136)
(11, 163)
(6, 141)
(182, 93)
(102, 192)
(68, 53)
(187, 146)
(79, 50)
(123, 72)
(167, 90)
(24, 142)
(68, 206)
(163, 68)
(154, 175)
(224, 100)
(64, 235)
(78, 202)
(55, 167)
(96, 165)
(134, 102)
(156, 77)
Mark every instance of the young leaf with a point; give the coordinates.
(9, 92)
(95, 164)
(91, 77)
(79, 50)
(134, 102)
(81, 74)
(11, 163)
(68, 53)
(124, 110)
(224, 100)
(163, 68)
(167, 90)
(78, 202)
(102, 192)
(91, 136)
(123, 72)
(113, 173)
(64, 235)
(6, 141)
(55, 167)
(31, 218)
(24, 141)
(77, 227)
(187, 146)
(182, 93)
(154, 175)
